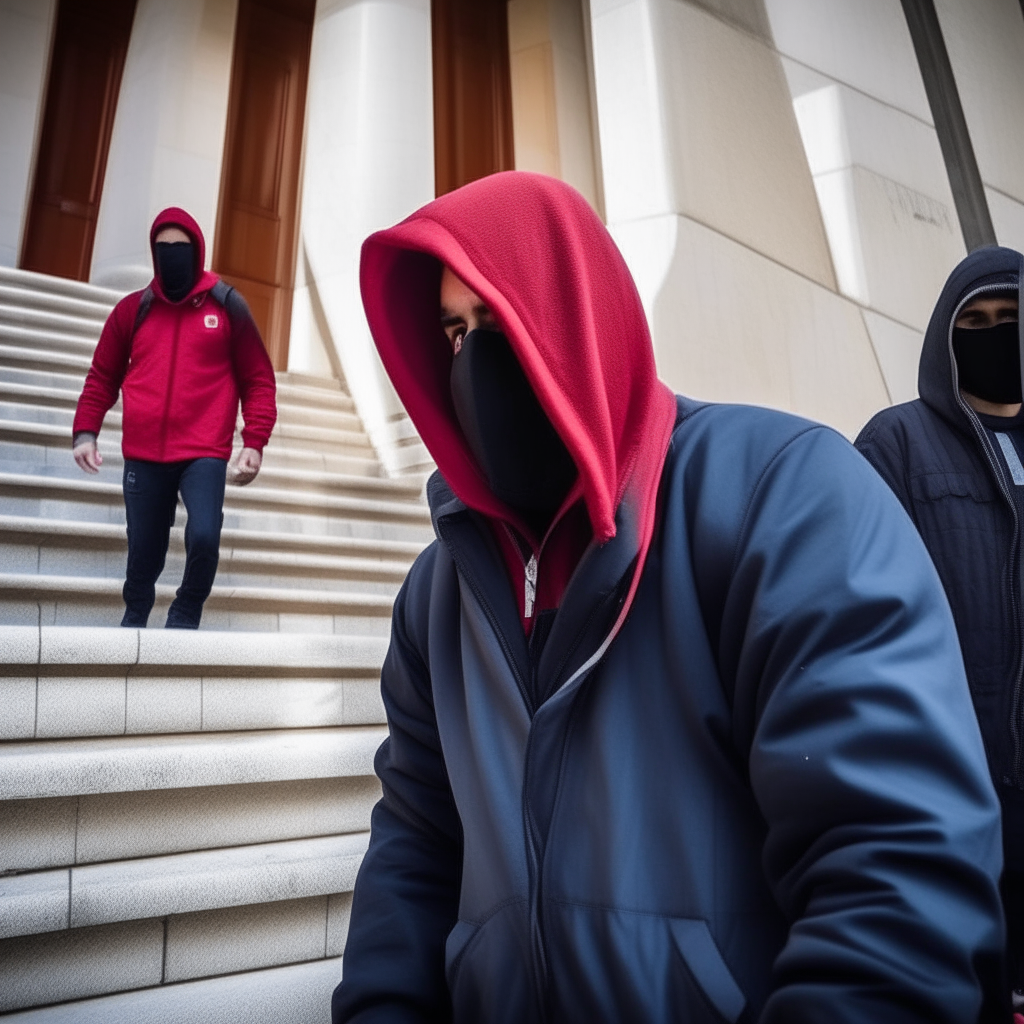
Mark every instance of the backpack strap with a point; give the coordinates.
(234, 305)
(140, 314)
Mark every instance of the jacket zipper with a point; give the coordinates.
(538, 956)
(1016, 709)
(170, 385)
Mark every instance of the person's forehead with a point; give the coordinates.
(172, 231)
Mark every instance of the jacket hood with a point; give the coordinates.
(536, 253)
(992, 268)
(176, 217)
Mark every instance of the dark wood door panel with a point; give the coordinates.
(472, 91)
(257, 233)
(89, 47)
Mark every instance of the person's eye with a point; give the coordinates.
(456, 339)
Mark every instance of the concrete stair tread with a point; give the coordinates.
(253, 543)
(54, 487)
(179, 883)
(19, 297)
(203, 650)
(47, 283)
(294, 994)
(28, 586)
(50, 320)
(360, 464)
(24, 355)
(47, 340)
(34, 769)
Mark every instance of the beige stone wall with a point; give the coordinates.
(986, 49)
(710, 196)
(551, 102)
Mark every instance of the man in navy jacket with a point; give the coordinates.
(678, 726)
(954, 459)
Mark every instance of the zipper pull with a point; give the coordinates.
(531, 586)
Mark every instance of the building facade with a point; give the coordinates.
(790, 182)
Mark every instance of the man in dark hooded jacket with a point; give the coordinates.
(678, 728)
(954, 459)
(182, 352)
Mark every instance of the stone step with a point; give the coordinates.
(363, 558)
(24, 357)
(45, 450)
(44, 379)
(371, 612)
(59, 832)
(94, 894)
(47, 342)
(67, 548)
(60, 683)
(50, 285)
(131, 764)
(48, 320)
(386, 506)
(57, 405)
(145, 958)
(18, 297)
(283, 466)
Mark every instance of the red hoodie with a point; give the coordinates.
(535, 252)
(183, 373)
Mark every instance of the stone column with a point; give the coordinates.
(551, 103)
(168, 140)
(369, 162)
(26, 27)
(710, 197)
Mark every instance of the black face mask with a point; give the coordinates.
(525, 461)
(988, 361)
(175, 268)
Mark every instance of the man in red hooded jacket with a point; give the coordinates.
(182, 352)
(678, 729)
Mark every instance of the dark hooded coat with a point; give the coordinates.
(940, 461)
(182, 372)
(750, 787)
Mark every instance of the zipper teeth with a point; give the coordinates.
(972, 417)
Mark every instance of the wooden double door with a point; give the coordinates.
(257, 222)
(86, 62)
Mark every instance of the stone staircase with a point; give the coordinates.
(182, 814)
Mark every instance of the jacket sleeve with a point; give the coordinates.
(883, 843)
(879, 443)
(109, 365)
(406, 895)
(254, 375)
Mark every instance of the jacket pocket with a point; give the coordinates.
(455, 947)
(705, 963)
(933, 486)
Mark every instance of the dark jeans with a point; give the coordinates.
(150, 496)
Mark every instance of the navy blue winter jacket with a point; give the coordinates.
(942, 465)
(767, 801)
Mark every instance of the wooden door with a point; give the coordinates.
(472, 91)
(256, 237)
(89, 46)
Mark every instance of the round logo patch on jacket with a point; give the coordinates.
(210, 320)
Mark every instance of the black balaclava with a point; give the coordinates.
(174, 263)
(988, 361)
(526, 463)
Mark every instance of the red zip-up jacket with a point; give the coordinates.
(183, 373)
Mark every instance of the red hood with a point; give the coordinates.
(534, 251)
(174, 216)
